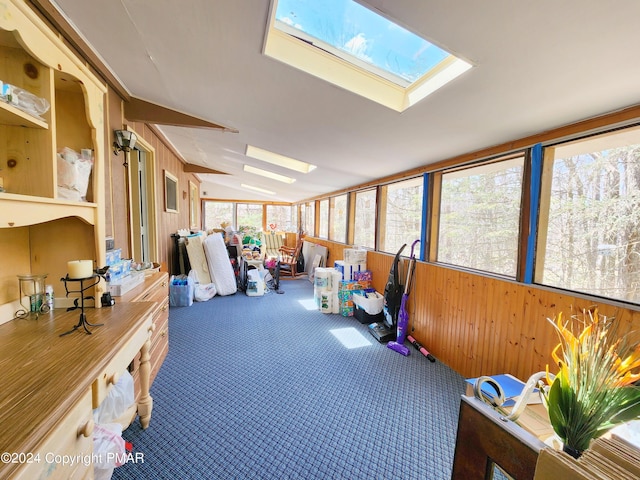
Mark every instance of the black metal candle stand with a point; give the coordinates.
(82, 323)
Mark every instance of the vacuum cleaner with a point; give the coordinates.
(403, 316)
(385, 331)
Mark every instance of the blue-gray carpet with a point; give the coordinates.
(259, 388)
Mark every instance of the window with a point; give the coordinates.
(217, 213)
(479, 220)
(401, 214)
(310, 218)
(249, 218)
(589, 235)
(349, 45)
(170, 193)
(324, 219)
(338, 215)
(364, 234)
(282, 218)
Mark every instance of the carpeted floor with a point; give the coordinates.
(263, 388)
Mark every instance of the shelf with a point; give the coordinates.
(24, 210)
(10, 115)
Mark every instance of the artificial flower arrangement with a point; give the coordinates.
(595, 388)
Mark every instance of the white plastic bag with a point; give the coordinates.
(204, 292)
(108, 449)
(117, 402)
(73, 174)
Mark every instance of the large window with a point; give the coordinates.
(249, 218)
(282, 218)
(338, 214)
(310, 218)
(480, 216)
(217, 213)
(589, 236)
(324, 219)
(364, 234)
(401, 214)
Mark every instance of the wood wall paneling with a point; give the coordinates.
(480, 325)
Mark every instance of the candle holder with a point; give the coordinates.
(83, 287)
(32, 287)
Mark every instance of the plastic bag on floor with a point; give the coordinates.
(109, 450)
(117, 401)
(204, 292)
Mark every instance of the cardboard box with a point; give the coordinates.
(125, 284)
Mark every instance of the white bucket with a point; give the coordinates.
(255, 283)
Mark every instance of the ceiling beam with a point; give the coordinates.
(191, 168)
(138, 110)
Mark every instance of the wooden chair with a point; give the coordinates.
(289, 259)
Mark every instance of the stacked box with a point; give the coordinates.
(125, 284)
(345, 296)
(355, 260)
(364, 277)
(119, 270)
(114, 256)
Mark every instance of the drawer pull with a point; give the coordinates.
(164, 307)
(152, 327)
(163, 333)
(86, 430)
(113, 379)
(164, 284)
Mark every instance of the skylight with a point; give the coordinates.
(268, 174)
(279, 160)
(345, 43)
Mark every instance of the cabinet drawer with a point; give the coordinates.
(159, 354)
(71, 441)
(155, 295)
(161, 328)
(120, 362)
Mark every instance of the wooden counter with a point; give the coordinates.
(44, 376)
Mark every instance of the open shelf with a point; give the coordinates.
(10, 115)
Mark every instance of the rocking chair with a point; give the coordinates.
(289, 259)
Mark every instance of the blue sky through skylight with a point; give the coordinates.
(358, 31)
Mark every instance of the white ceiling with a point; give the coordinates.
(538, 65)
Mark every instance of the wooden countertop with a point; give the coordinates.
(44, 375)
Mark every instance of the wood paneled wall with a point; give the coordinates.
(117, 207)
(480, 325)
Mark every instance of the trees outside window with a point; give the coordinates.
(479, 216)
(364, 234)
(589, 240)
(216, 213)
(338, 218)
(401, 214)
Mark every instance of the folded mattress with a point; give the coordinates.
(197, 258)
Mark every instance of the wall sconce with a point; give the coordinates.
(125, 141)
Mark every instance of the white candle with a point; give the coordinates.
(80, 268)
